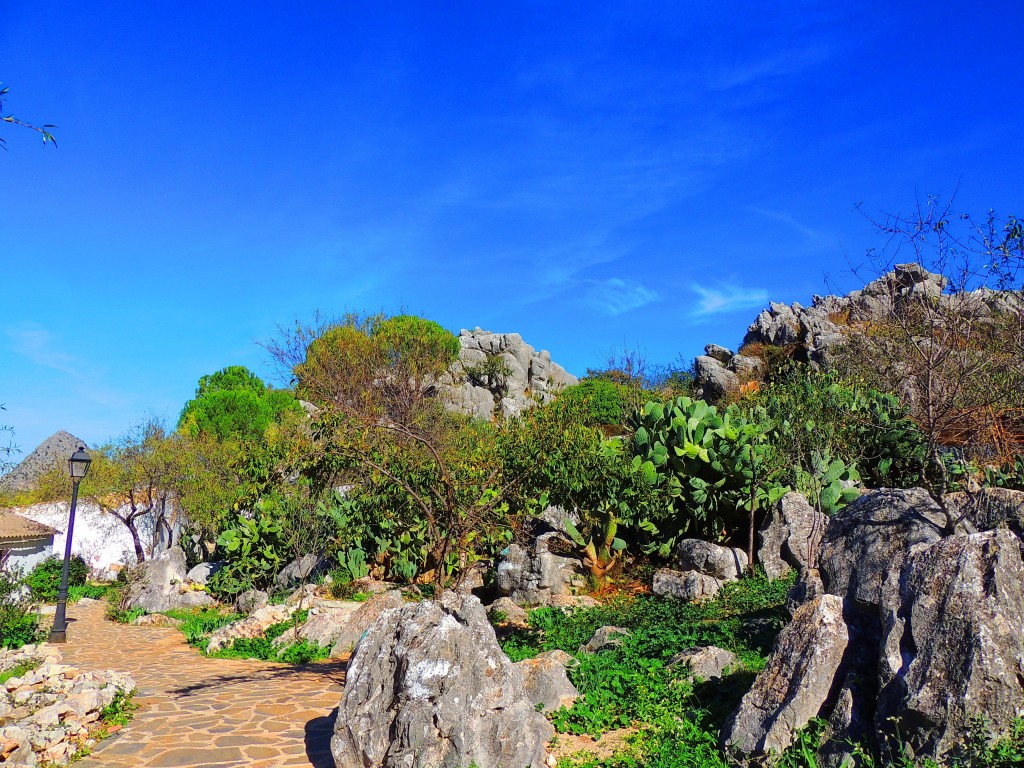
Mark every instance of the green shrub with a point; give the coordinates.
(597, 402)
(44, 579)
(91, 591)
(197, 623)
(19, 623)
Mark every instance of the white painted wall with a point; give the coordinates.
(25, 555)
(100, 538)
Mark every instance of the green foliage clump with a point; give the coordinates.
(717, 468)
(19, 670)
(19, 622)
(419, 345)
(234, 403)
(254, 549)
(634, 681)
(597, 401)
(263, 648)
(1009, 475)
(43, 580)
(91, 591)
(196, 624)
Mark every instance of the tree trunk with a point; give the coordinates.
(140, 553)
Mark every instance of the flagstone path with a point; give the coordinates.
(206, 713)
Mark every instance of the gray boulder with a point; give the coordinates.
(348, 635)
(301, 570)
(507, 606)
(953, 643)
(706, 663)
(160, 585)
(870, 538)
(790, 535)
(990, 508)
(719, 353)
(794, 686)
(532, 575)
(546, 682)
(251, 600)
(429, 685)
(201, 573)
(723, 563)
(712, 379)
(605, 637)
(685, 585)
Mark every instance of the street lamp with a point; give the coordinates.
(79, 465)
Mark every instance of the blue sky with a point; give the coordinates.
(590, 175)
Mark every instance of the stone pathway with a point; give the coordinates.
(206, 713)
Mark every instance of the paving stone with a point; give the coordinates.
(196, 711)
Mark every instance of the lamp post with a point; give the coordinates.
(79, 465)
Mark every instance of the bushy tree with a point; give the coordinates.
(234, 403)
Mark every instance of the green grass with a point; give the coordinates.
(632, 684)
(197, 623)
(18, 671)
(92, 591)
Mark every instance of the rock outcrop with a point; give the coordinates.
(545, 681)
(707, 662)
(685, 585)
(53, 451)
(161, 585)
(795, 684)
(429, 685)
(531, 574)
(722, 563)
(911, 632)
(500, 374)
(789, 535)
(253, 625)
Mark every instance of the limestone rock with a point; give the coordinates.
(251, 600)
(707, 662)
(990, 508)
(156, 620)
(201, 573)
(795, 684)
(713, 379)
(429, 685)
(160, 585)
(723, 563)
(871, 537)
(789, 535)
(301, 570)
(685, 585)
(953, 643)
(531, 574)
(719, 353)
(546, 683)
(507, 606)
(605, 637)
(348, 636)
(528, 376)
(254, 625)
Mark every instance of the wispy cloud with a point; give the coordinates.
(615, 296)
(778, 64)
(726, 298)
(34, 342)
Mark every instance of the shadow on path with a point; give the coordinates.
(318, 740)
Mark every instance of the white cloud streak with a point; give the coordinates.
(616, 296)
(723, 299)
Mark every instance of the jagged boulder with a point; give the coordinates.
(712, 379)
(605, 637)
(251, 600)
(302, 570)
(546, 683)
(990, 508)
(506, 609)
(685, 585)
(531, 574)
(789, 535)
(201, 573)
(872, 536)
(953, 642)
(160, 585)
(723, 563)
(429, 685)
(348, 635)
(253, 625)
(707, 662)
(796, 683)
(500, 374)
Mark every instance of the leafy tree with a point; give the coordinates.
(132, 479)
(234, 403)
(600, 402)
(380, 431)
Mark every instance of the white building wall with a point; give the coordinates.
(26, 555)
(100, 538)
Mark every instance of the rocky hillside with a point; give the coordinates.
(500, 374)
(58, 447)
(815, 333)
